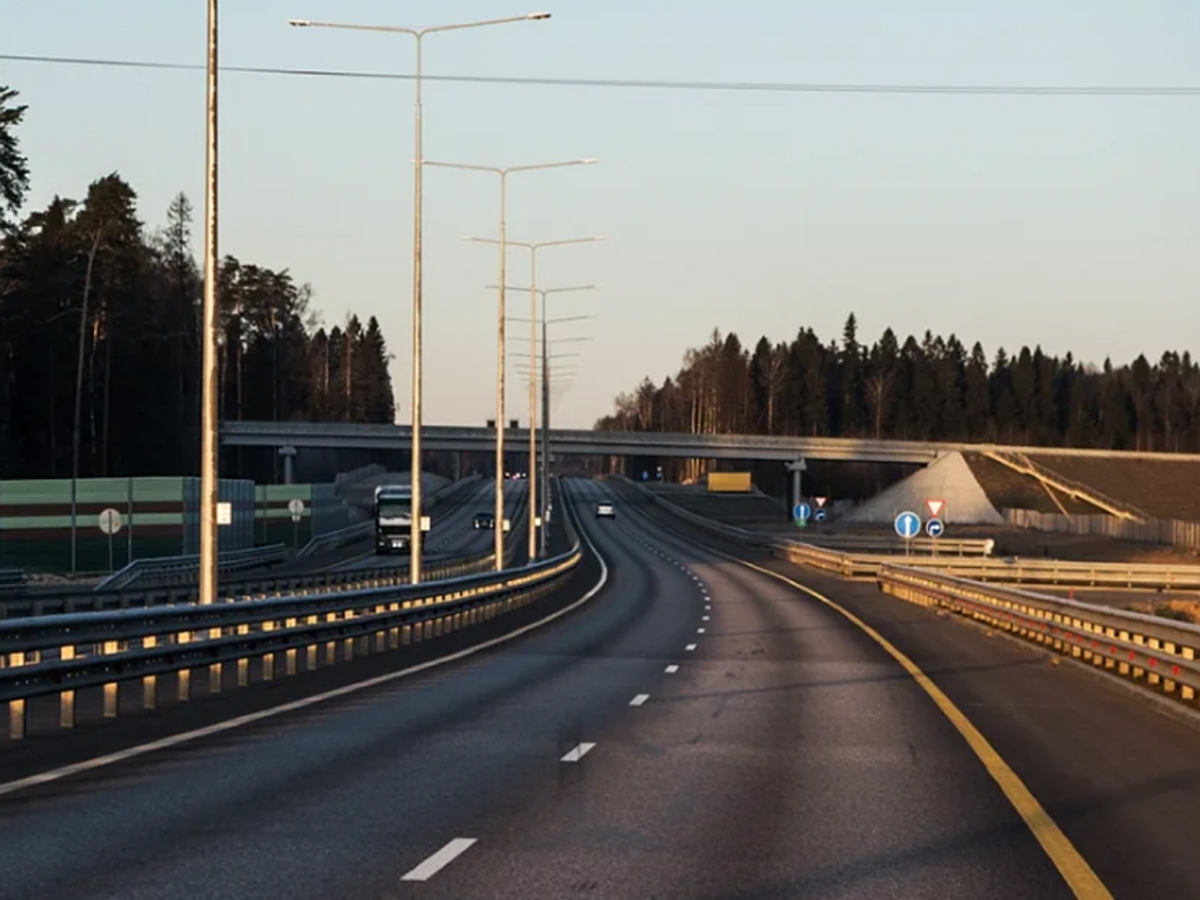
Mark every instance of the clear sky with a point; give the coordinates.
(1065, 221)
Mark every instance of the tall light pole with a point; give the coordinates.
(208, 337)
(546, 322)
(503, 173)
(533, 248)
(418, 34)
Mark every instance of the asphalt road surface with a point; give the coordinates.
(698, 729)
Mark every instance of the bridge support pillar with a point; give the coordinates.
(796, 468)
(289, 464)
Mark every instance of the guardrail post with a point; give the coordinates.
(112, 689)
(16, 720)
(112, 699)
(149, 682)
(1186, 692)
(268, 659)
(66, 699)
(183, 678)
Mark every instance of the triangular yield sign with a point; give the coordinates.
(935, 507)
(821, 501)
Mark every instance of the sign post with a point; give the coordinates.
(802, 512)
(908, 526)
(935, 528)
(296, 508)
(110, 524)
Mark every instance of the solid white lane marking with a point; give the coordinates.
(639, 699)
(577, 753)
(671, 670)
(690, 647)
(439, 860)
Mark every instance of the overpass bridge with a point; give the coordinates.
(349, 436)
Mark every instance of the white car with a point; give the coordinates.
(606, 511)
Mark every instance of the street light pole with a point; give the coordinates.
(503, 173)
(208, 339)
(545, 460)
(416, 535)
(534, 490)
(498, 524)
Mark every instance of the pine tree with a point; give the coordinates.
(14, 168)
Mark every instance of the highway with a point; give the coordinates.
(697, 729)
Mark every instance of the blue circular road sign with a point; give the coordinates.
(908, 525)
(819, 515)
(802, 512)
(935, 528)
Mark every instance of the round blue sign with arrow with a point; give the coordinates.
(908, 525)
(819, 515)
(935, 528)
(802, 512)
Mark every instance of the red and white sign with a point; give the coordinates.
(936, 507)
(820, 501)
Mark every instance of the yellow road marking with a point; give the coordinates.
(1080, 877)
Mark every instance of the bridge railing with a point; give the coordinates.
(61, 655)
(178, 570)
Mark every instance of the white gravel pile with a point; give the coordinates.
(949, 479)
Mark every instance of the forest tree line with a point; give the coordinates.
(100, 336)
(929, 389)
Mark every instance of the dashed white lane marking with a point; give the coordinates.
(690, 647)
(699, 631)
(704, 618)
(671, 670)
(577, 753)
(639, 699)
(439, 860)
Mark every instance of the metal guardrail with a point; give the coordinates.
(164, 570)
(1015, 570)
(12, 578)
(1159, 653)
(332, 540)
(874, 544)
(76, 599)
(67, 653)
(81, 600)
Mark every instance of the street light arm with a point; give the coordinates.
(538, 245)
(590, 161)
(495, 170)
(507, 20)
(390, 29)
(419, 32)
(557, 290)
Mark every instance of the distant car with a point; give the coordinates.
(606, 511)
(484, 520)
